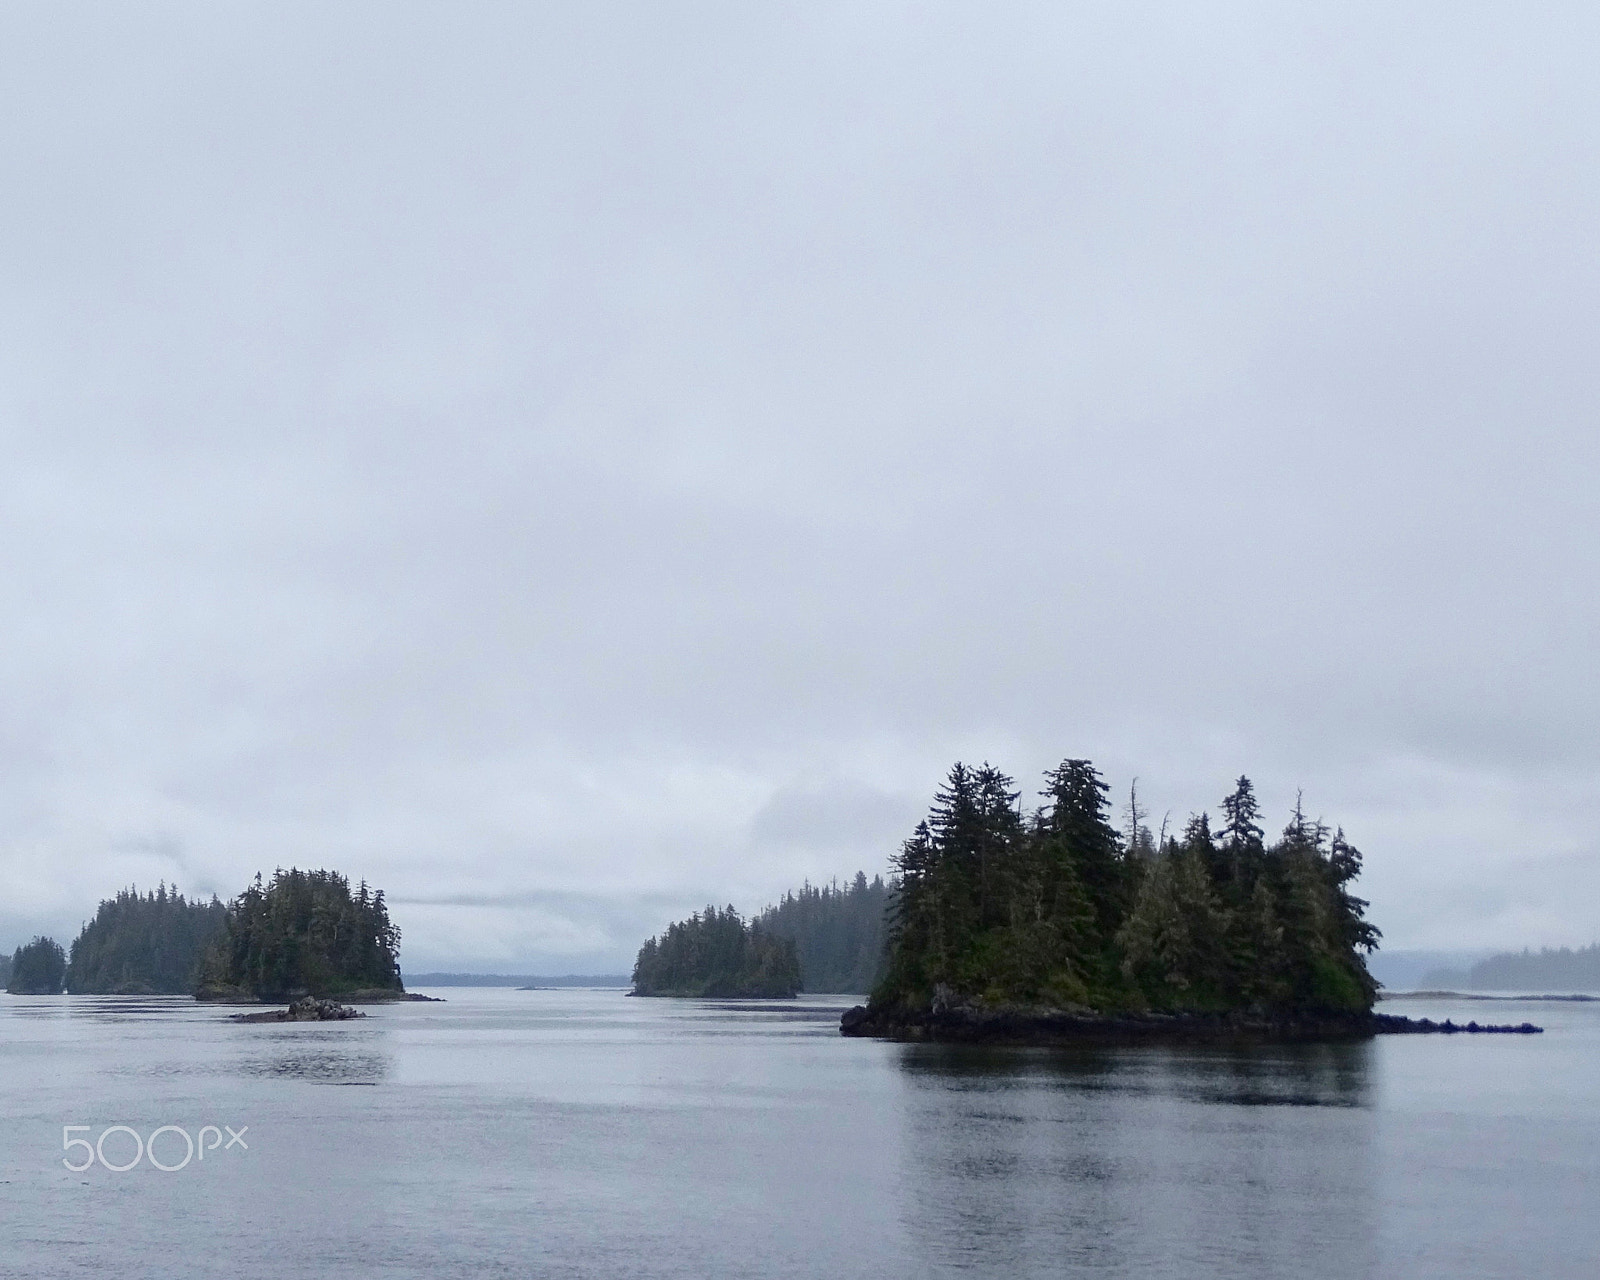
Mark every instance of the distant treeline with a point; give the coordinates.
(516, 980)
(715, 953)
(1000, 906)
(816, 938)
(143, 944)
(1563, 970)
(37, 969)
(838, 933)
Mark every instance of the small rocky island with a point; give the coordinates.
(1051, 927)
(306, 1009)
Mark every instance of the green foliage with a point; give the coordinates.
(993, 908)
(304, 932)
(1174, 942)
(716, 954)
(38, 969)
(5, 969)
(838, 933)
(143, 944)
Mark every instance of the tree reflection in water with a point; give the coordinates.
(1191, 1162)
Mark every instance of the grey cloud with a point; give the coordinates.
(629, 452)
(841, 814)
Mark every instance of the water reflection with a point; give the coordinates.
(1146, 1162)
(325, 1065)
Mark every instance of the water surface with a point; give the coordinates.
(584, 1133)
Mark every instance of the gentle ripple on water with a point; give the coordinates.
(582, 1133)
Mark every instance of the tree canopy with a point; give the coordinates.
(143, 944)
(838, 932)
(38, 969)
(996, 906)
(716, 954)
(303, 932)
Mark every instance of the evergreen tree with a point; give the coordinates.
(1174, 941)
(1240, 839)
(1064, 912)
(839, 934)
(1078, 838)
(38, 969)
(303, 932)
(916, 939)
(143, 944)
(714, 954)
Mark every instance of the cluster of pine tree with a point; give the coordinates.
(995, 906)
(303, 932)
(716, 954)
(37, 969)
(140, 944)
(838, 933)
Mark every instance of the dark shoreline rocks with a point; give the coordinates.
(1394, 1025)
(369, 995)
(1060, 1027)
(306, 1009)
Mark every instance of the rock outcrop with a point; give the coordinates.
(1044, 1026)
(306, 1009)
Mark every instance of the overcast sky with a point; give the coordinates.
(568, 463)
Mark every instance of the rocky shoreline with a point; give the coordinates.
(1060, 1027)
(366, 995)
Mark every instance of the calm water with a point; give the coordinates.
(582, 1133)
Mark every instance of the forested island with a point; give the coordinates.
(1052, 925)
(37, 969)
(716, 954)
(143, 944)
(303, 933)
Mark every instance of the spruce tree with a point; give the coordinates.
(1240, 840)
(1078, 837)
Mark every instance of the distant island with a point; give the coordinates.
(37, 969)
(716, 954)
(522, 981)
(143, 944)
(1051, 924)
(303, 933)
(1550, 969)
